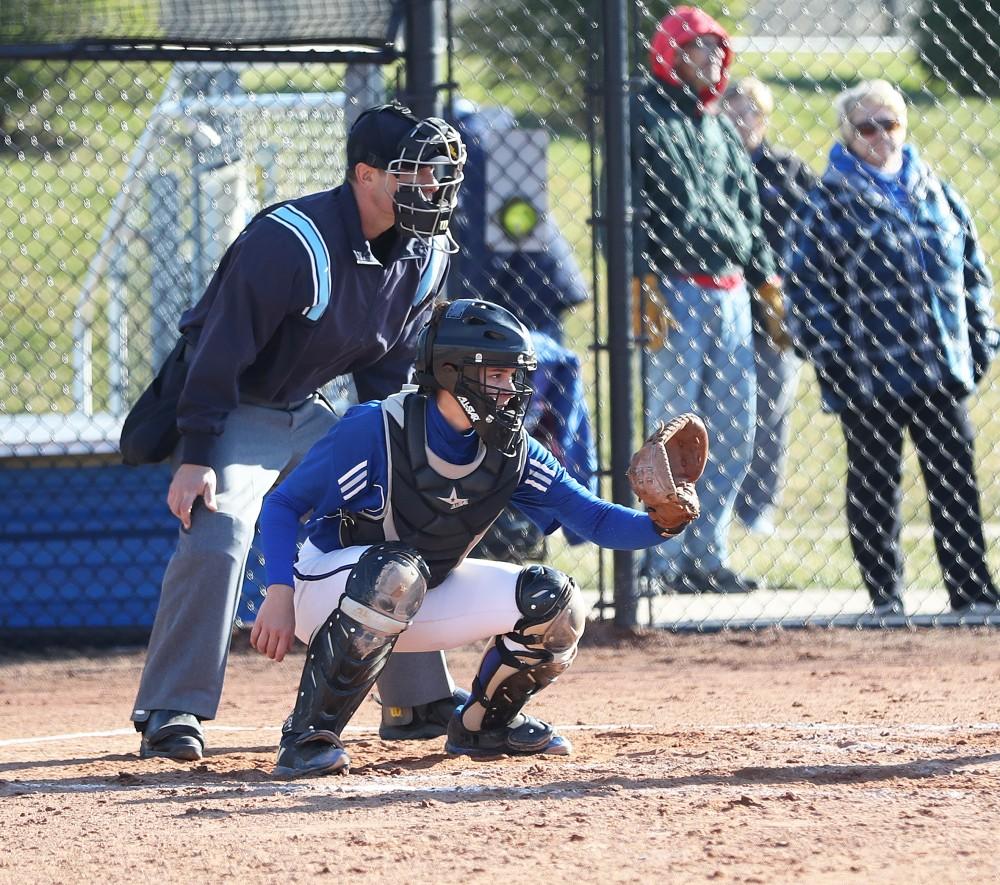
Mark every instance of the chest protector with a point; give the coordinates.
(439, 509)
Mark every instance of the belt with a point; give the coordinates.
(708, 281)
(246, 400)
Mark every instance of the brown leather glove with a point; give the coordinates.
(651, 319)
(664, 471)
(772, 304)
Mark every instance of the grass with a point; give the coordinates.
(56, 201)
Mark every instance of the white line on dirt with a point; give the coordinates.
(351, 729)
(907, 728)
(347, 786)
(910, 728)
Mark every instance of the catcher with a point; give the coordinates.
(400, 490)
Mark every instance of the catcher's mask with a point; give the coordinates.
(457, 348)
(426, 159)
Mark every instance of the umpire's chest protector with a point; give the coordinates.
(438, 508)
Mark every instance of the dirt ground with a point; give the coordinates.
(826, 756)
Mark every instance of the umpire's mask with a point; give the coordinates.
(426, 161)
(429, 170)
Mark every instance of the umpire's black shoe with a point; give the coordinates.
(420, 723)
(525, 736)
(311, 753)
(172, 734)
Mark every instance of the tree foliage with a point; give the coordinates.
(960, 43)
(556, 44)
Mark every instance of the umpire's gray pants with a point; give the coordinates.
(187, 653)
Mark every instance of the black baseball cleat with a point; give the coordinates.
(420, 723)
(172, 734)
(311, 753)
(525, 736)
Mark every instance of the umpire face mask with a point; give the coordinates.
(428, 173)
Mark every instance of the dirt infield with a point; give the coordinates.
(809, 756)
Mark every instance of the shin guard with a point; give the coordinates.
(541, 646)
(383, 592)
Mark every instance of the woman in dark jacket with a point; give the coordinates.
(889, 298)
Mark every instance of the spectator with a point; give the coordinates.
(699, 236)
(782, 182)
(890, 300)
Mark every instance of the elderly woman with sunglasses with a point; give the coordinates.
(889, 298)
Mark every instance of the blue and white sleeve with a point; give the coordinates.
(550, 498)
(345, 467)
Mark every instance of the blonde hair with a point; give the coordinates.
(756, 91)
(868, 93)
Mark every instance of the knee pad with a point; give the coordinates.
(541, 646)
(386, 587)
(553, 610)
(383, 591)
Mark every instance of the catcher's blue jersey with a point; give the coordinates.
(348, 468)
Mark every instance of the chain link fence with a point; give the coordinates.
(128, 182)
(124, 181)
(889, 309)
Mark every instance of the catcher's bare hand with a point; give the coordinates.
(274, 627)
(190, 482)
(664, 471)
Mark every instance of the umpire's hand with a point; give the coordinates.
(274, 627)
(189, 482)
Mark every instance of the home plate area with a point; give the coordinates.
(809, 755)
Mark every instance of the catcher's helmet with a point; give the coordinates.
(462, 340)
(390, 137)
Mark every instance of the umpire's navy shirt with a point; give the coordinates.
(298, 299)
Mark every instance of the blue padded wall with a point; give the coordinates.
(84, 548)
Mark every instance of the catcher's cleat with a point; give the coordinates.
(422, 722)
(172, 734)
(525, 736)
(311, 754)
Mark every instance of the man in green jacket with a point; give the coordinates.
(700, 251)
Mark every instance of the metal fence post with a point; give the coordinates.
(421, 56)
(618, 229)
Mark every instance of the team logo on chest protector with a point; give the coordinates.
(439, 509)
(453, 500)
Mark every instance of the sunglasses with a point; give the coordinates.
(868, 128)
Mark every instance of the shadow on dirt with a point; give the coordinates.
(201, 784)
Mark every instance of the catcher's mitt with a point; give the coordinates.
(664, 471)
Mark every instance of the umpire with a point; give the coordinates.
(334, 283)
